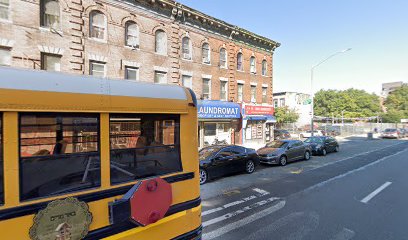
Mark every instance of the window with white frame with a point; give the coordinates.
(50, 14)
(240, 65)
(5, 9)
(252, 62)
(161, 42)
(98, 25)
(223, 58)
(264, 68)
(186, 48)
(187, 81)
(132, 34)
(240, 92)
(264, 94)
(50, 62)
(253, 93)
(160, 77)
(206, 53)
(206, 94)
(223, 90)
(282, 102)
(132, 73)
(5, 56)
(97, 69)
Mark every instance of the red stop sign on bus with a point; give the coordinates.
(150, 202)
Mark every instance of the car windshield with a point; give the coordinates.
(390, 130)
(208, 151)
(314, 140)
(277, 144)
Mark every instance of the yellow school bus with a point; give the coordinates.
(92, 158)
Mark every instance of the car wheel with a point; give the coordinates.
(249, 166)
(203, 176)
(283, 160)
(307, 155)
(337, 149)
(324, 152)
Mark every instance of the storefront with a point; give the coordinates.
(218, 122)
(257, 124)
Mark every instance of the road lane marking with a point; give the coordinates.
(345, 234)
(235, 213)
(249, 219)
(377, 191)
(261, 194)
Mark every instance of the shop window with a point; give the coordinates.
(161, 42)
(254, 130)
(264, 95)
(1, 162)
(206, 53)
(50, 62)
(65, 147)
(97, 25)
(5, 56)
(132, 73)
(132, 34)
(253, 94)
(240, 92)
(252, 62)
(50, 14)
(144, 145)
(5, 9)
(223, 58)
(240, 66)
(160, 77)
(186, 48)
(187, 81)
(206, 94)
(97, 69)
(264, 68)
(223, 90)
(210, 129)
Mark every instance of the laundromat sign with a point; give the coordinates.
(218, 109)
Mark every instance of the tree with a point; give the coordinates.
(286, 115)
(352, 102)
(397, 105)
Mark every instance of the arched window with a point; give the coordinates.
(97, 26)
(186, 48)
(223, 58)
(161, 42)
(50, 14)
(252, 63)
(132, 34)
(264, 68)
(240, 66)
(206, 53)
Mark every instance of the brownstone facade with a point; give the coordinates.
(27, 40)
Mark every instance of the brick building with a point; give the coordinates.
(158, 41)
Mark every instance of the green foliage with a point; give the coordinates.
(355, 103)
(286, 115)
(396, 105)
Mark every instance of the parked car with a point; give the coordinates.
(332, 131)
(221, 160)
(308, 133)
(391, 133)
(284, 151)
(404, 132)
(322, 145)
(281, 134)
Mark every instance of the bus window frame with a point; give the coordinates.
(173, 117)
(61, 114)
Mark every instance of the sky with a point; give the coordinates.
(310, 31)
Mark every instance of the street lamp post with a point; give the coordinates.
(311, 85)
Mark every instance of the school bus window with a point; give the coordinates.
(59, 153)
(144, 146)
(1, 161)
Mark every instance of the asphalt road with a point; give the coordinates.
(358, 193)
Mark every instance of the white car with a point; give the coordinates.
(309, 133)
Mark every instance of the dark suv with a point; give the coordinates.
(281, 134)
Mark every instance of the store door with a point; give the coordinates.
(224, 132)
